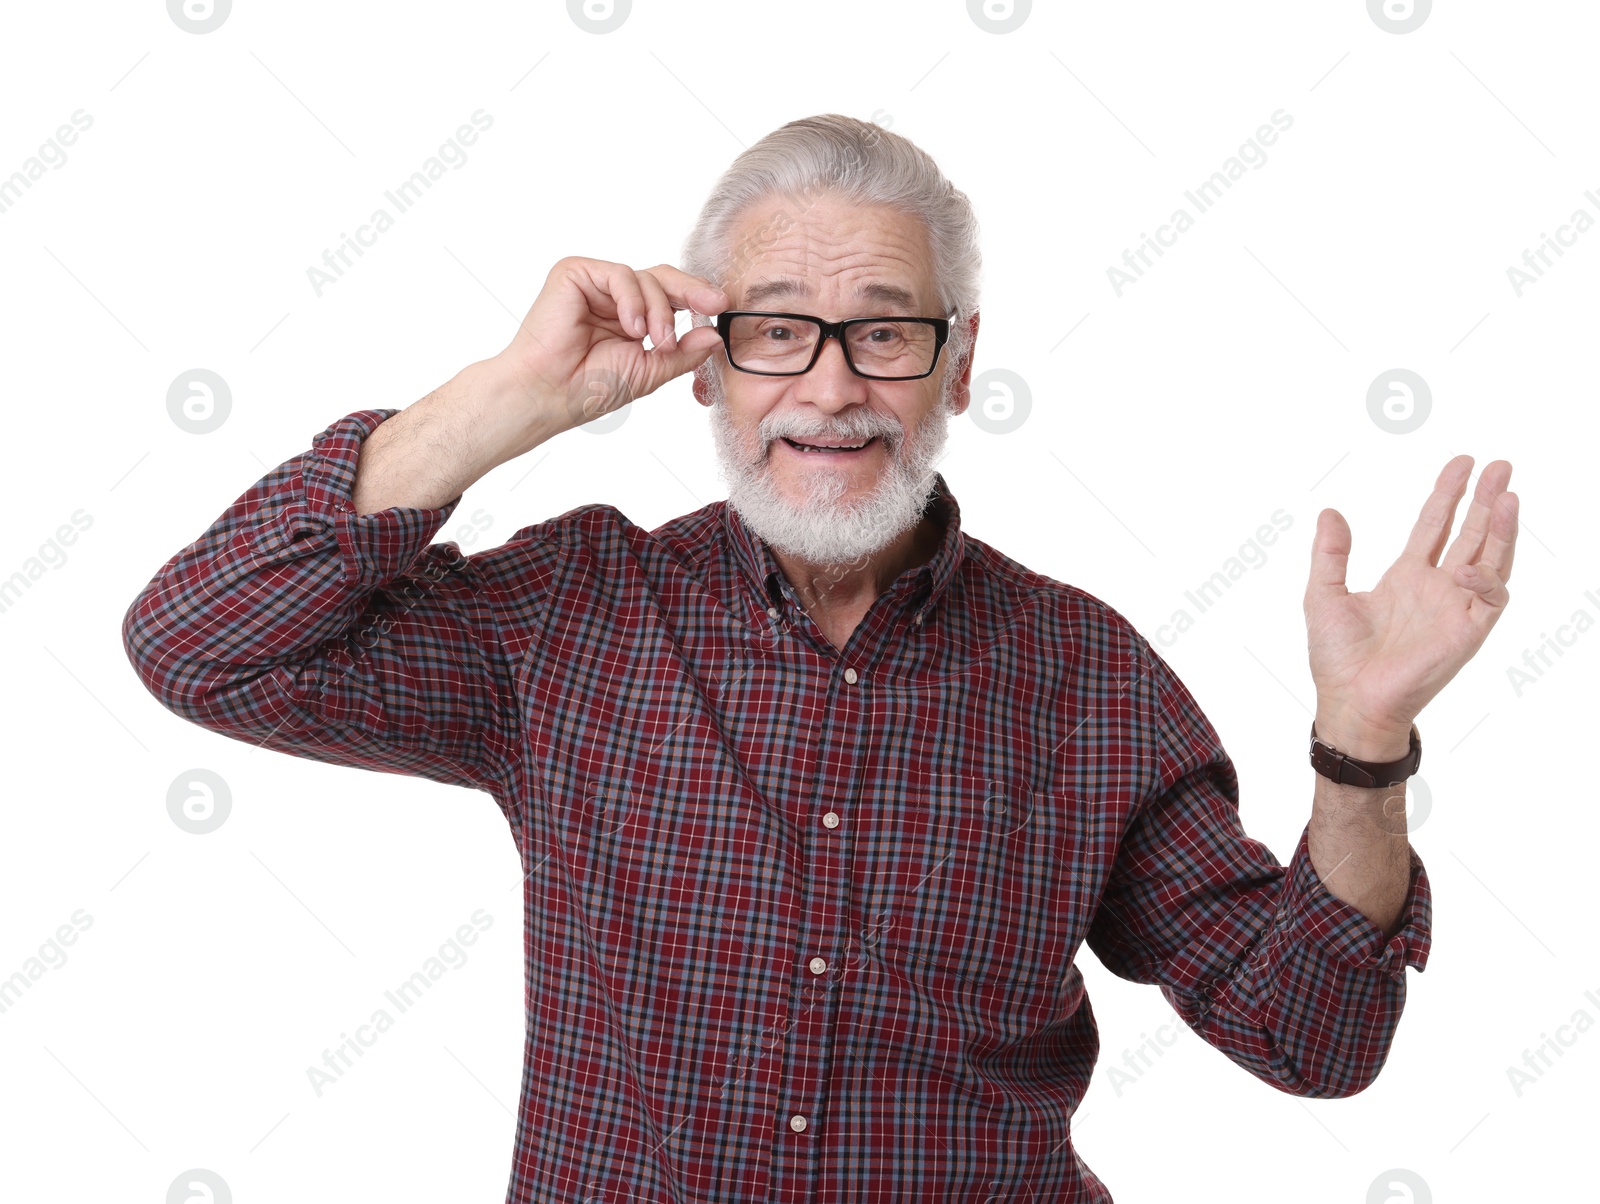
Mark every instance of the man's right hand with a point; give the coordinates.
(580, 353)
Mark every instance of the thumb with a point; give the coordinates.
(1330, 556)
(691, 349)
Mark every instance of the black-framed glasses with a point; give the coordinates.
(781, 344)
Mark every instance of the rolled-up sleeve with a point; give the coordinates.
(1260, 959)
(296, 624)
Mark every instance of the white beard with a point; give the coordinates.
(822, 529)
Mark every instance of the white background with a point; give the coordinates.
(1230, 382)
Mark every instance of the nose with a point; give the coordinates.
(830, 386)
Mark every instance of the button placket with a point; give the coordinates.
(808, 1057)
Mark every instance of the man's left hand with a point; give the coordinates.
(1378, 657)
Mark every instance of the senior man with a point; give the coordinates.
(817, 795)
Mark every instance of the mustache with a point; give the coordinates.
(856, 429)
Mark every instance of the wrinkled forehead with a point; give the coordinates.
(826, 256)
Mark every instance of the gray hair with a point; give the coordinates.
(860, 162)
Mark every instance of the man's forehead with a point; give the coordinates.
(767, 289)
(788, 252)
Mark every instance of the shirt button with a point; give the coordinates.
(850, 676)
(797, 1123)
(830, 820)
(773, 611)
(818, 965)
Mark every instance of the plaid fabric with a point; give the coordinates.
(801, 923)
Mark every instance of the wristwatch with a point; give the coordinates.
(1331, 763)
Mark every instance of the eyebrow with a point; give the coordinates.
(789, 287)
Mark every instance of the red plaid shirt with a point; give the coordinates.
(802, 923)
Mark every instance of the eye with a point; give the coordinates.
(890, 333)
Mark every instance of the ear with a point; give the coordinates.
(702, 390)
(962, 396)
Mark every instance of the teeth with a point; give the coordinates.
(845, 447)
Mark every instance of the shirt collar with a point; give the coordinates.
(922, 586)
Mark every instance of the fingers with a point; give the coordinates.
(1501, 542)
(660, 317)
(669, 290)
(1467, 545)
(636, 303)
(1485, 580)
(611, 294)
(1438, 512)
(689, 292)
(668, 363)
(1330, 558)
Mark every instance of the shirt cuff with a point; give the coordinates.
(375, 547)
(1316, 915)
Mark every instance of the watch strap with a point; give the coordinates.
(1349, 771)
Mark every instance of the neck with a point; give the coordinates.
(852, 587)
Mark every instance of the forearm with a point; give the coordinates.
(269, 582)
(433, 450)
(348, 640)
(1357, 837)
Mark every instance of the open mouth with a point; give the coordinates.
(830, 450)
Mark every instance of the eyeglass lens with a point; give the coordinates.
(885, 347)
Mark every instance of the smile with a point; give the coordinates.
(835, 449)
